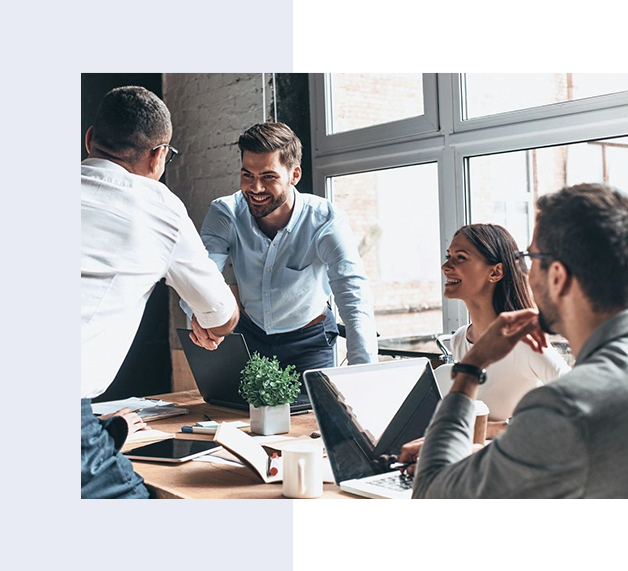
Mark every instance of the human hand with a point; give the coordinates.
(133, 420)
(204, 337)
(410, 453)
(503, 334)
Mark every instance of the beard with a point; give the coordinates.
(263, 210)
(548, 313)
(545, 324)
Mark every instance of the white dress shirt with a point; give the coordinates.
(509, 379)
(134, 232)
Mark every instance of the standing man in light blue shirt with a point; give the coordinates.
(290, 251)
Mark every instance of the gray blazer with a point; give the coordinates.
(568, 439)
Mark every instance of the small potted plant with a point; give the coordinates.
(269, 390)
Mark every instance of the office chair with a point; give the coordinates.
(444, 344)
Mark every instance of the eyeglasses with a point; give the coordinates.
(525, 259)
(172, 152)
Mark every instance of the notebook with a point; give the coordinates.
(217, 373)
(364, 411)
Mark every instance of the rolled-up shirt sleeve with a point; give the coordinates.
(197, 279)
(541, 454)
(351, 289)
(215, 234)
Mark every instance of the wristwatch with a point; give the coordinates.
(469, 370)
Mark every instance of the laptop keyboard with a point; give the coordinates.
(397, 482)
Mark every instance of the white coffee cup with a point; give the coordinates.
(302, 470)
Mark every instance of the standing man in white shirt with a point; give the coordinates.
(290, 251)
(134, 232)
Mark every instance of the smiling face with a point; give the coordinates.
(468, 274)
(266, 182)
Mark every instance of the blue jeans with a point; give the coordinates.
(308, 348)
(105, 473)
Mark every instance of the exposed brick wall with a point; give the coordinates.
(209, 112)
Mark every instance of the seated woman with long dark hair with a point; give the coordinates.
(481, 270)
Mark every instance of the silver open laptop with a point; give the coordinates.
(365, 411)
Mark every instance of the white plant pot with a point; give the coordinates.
(268, 420)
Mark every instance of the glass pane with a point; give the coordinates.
(395, 219)
(365, 99)
(505, 187)
(492, 93)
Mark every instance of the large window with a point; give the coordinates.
(394, 216)
(481, 148)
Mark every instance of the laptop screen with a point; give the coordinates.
(217, 373)
(368, 410)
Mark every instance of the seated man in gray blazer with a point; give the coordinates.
(568, 438)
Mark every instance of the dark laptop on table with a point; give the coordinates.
(366, 411)
(217, 373)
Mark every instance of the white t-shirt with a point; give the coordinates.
(517, 373)
(134, 232)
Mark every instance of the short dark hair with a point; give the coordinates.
(271, 137)
(129, 122)
(586, 228)
(496, 245)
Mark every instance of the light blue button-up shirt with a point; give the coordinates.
(285, 282)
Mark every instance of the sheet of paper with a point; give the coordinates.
(148, 435)
(134, 403)
(217, 458)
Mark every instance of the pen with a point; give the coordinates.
(273, 464)
(207, 418)
(198, 429)
(398, 465)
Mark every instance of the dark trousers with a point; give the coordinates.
(105, 473)
(309, 348)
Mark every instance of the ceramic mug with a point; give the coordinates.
(302, 470)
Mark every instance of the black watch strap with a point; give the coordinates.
(469, 370)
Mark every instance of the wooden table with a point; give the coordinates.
(207, 480)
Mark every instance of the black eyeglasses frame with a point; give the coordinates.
(171, 149)
(521, 255)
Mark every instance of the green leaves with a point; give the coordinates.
(265, 383)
